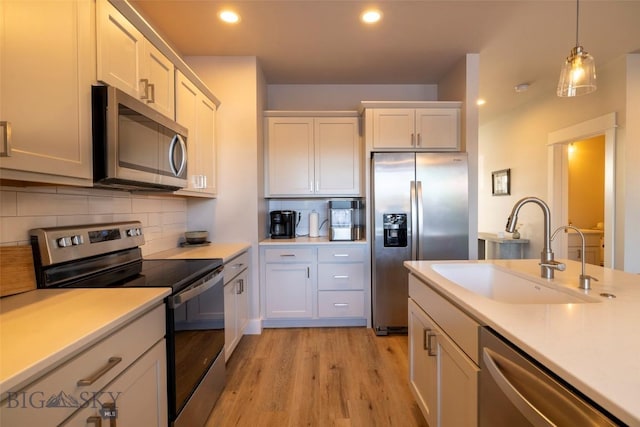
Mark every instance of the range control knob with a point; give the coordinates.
(131, 232)
(63, 242)
(77, 239)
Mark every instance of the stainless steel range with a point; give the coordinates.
(109, 255)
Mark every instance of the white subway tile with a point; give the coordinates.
(8, 203)
(35, 204)
(16, 229)
(146, 205)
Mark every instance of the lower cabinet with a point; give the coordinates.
(314, 285)
(442, 376)
(120, 380)
(236, 303)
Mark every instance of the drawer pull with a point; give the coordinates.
(341, 255)
(287, 255)
(341, 277)
(340, 304)
(430, 350)
(113, 361)
(95, 420)
(6, 139)
(237, 265)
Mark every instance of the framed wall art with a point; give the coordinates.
(501, 182)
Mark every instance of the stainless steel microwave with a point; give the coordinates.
(134, 146)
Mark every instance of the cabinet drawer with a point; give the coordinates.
(341, 276)
(235, 266)
(288, 255)
(341, 254)
(341, 304)
(127, 343)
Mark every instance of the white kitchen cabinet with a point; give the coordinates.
(313, 156)
(128, 61)
(341, 277)
(592, 250)
(136, 395)
(443, 373)
(236, 302)
(197, 113)
(429, 129)
(46, 72)
(288, 283)
(128, 366)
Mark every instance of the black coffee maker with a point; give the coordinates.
(283, 224)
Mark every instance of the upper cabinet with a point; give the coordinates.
(313, 156)
(197, 113)
(46, 72)
(128, 61)
(435, 127)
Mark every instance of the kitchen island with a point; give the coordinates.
(593, 346)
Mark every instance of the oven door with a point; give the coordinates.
(195, 344)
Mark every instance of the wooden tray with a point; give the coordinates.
(16, 270)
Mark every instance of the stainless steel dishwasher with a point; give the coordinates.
(514, 391)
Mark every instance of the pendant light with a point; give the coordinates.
(578, 74)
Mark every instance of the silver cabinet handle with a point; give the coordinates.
(287, 255)
(111, 363)
(425, 332)
(152, 98)
(341, 255)
(341, 277)
(340, 304)
(145, 89)
(6, 139)
(413, 140)
(237, 266)
(240, 287)
(430, 349)
(419, 141)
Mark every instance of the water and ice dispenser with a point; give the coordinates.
(395, 229)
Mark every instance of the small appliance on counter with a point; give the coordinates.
(283, 224)
(346, 220)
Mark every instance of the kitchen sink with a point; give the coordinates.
(502, 285)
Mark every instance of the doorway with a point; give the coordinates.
(558, 180)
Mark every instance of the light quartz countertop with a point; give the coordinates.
(43, 328)
(305, 240)
(224, 251)
(594, 346)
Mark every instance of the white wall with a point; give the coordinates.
(517, 140)
(233, 216)
(163, 218)
(343, 97)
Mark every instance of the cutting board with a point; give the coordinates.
(16, 270)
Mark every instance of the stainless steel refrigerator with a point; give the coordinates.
(420, 212)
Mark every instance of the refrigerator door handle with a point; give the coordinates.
(419, 220)
(414, 221)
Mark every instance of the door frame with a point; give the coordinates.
(557, 166)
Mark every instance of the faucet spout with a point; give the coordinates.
(547, 264)
(584, 282)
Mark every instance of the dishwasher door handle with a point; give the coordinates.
(526, 408)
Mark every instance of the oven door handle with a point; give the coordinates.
(191, 292)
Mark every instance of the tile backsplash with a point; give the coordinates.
(164, 218)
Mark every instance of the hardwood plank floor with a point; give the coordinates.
(343, 377)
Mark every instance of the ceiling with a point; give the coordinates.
(416, 42)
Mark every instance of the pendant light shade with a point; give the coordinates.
(578, 74)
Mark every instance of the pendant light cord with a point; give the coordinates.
(577, 20)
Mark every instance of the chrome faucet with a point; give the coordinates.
(547, 263)
(584, 282)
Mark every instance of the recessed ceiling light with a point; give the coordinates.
(371, 16)
(522, 87)
(481, 101)
(229, 16)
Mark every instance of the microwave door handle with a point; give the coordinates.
(190, 293)
(177, 170)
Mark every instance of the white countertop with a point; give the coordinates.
(224, 251)
(305, 240)
(593, 346)
(41, 329)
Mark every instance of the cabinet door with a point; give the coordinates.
(337, 156)
(230, 318)
(458, 385)
(394, 128)
(138, 395)
(46, 71)
(290, 156)
(158, 80)
(288, 291)
(197, 113)
(120, 48)
(437, 129)
(423, 367)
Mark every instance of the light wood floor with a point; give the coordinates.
(345, 377)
